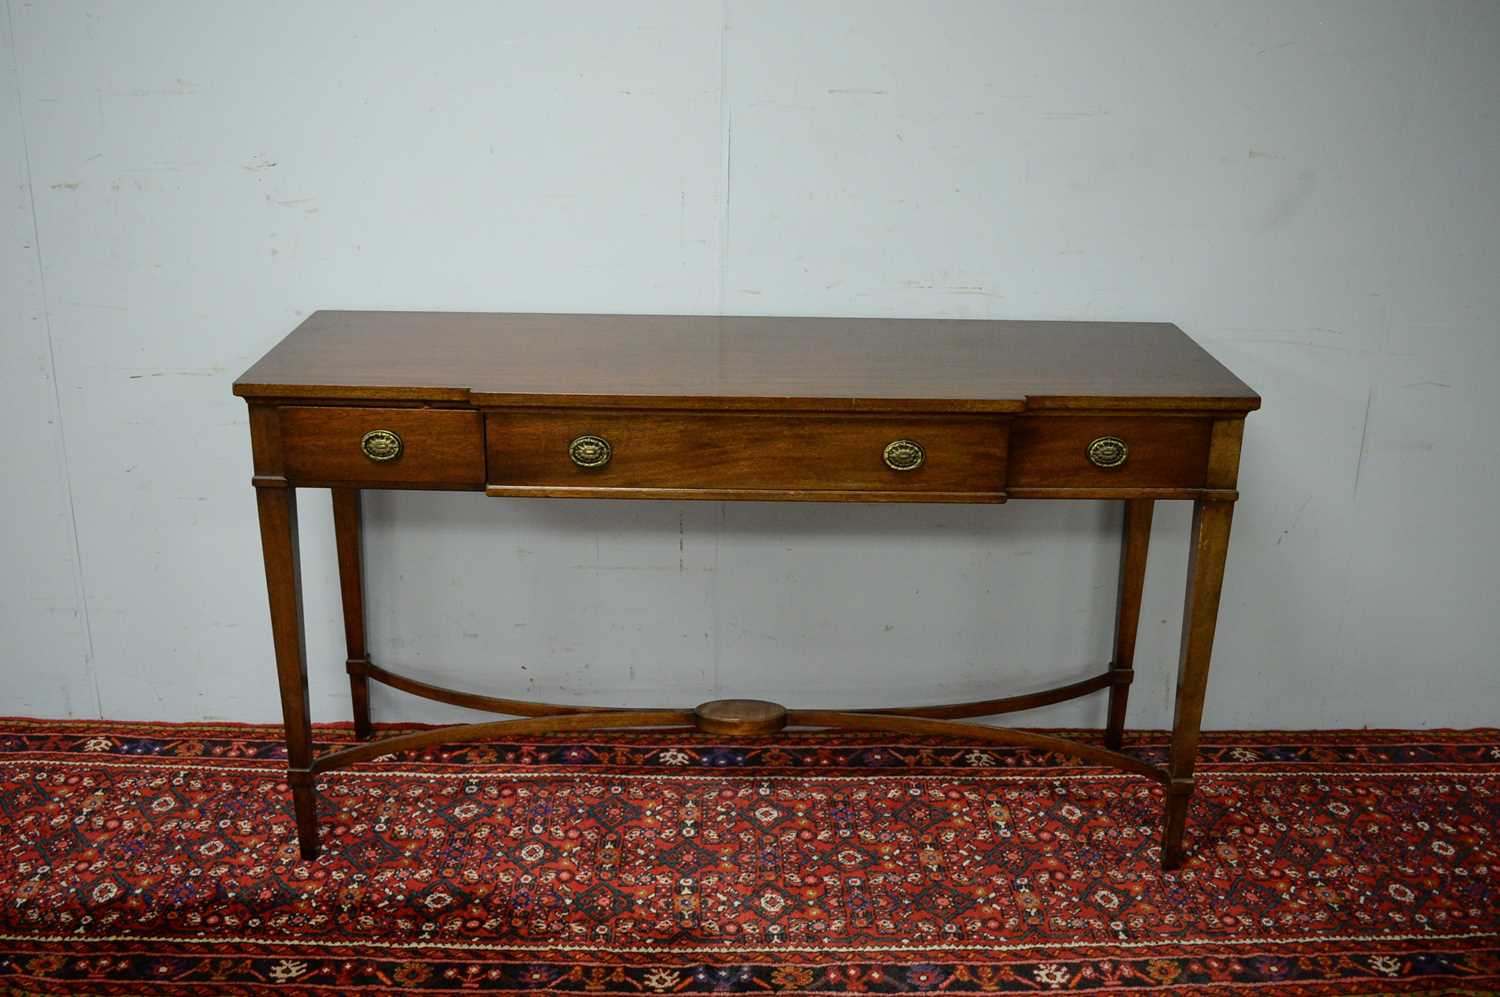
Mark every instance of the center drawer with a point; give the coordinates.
(632, 454)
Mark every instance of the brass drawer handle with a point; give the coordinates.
(904, 455)
(381, 445)
(590, 451)
(1108, 451)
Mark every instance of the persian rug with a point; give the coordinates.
(160, 859)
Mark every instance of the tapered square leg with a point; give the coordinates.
(278, 536)
(348, 532)
(1205, 581)
(1134, 544)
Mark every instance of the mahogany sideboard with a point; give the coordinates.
(741, 408)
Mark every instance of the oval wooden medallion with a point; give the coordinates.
(740, 716)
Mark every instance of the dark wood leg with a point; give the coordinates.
(348, 536)
(278, 538)
(1133, 547)
(1205, 580)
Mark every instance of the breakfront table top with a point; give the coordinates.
(741, 362)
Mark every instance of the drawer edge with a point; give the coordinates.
(743, 494)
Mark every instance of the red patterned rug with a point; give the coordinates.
(160, 859)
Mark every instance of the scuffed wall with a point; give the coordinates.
(1309, 189)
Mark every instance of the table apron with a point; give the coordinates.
(749, 456)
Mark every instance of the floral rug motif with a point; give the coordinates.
(161, 859)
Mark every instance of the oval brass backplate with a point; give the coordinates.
(381, 445)
(590, 451)
(904, 455)
(1108, 451)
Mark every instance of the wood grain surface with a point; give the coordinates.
(737, 362)
(745, 451)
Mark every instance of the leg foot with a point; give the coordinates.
(305, 807)
(1174, 825)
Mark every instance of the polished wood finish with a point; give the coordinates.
(348, 536)
(440, 446)
(499, 728)
(744, 494)
(720, 363)
(850, 720)
(737, 717)
(1200, 615)
(1134, 546)
(475, 701)
(783, 409)
(744, 454)
(1164, 452)
(1224, 453)
(279, 550)
(1207, 555)
(997, 707)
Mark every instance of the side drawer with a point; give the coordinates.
(744, 455)
(375, 446)
(1054, 451)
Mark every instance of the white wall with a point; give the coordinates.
(1309, 189)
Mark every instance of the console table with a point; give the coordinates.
(739, 408)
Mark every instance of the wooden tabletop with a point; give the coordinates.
(734, 362)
